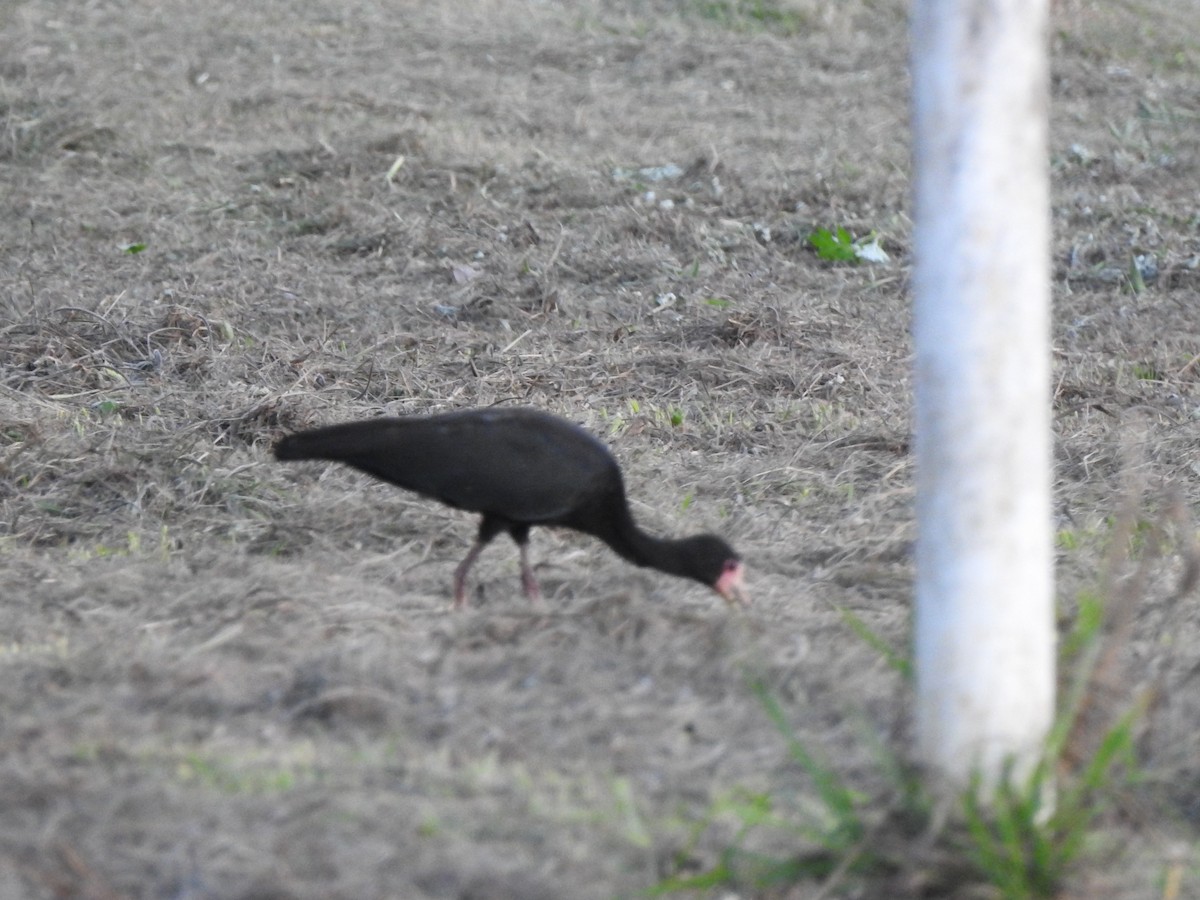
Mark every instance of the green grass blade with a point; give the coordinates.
(836, 797)
(898, 661)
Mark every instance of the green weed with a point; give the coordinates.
(839, 245)
(1019, 841)
(834, 246)
(231, 778)
(1021, 850)
(132, 548)
(750, 15)
(833, 827)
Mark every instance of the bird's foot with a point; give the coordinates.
(532, 590)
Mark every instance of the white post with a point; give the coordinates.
(984, 631)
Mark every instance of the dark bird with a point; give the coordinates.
(519, 468)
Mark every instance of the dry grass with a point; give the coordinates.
(227, 678)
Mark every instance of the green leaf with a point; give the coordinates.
(835, 246)
(137, 247)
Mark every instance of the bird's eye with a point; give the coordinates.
(730, 565)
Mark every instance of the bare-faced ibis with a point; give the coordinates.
(518, 467)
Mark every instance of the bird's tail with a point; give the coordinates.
(339, 442)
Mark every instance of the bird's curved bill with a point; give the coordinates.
(731, 587)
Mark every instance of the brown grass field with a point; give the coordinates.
(222, 677)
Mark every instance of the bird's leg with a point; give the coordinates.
(520, 534)
(460, 574)
(528, 579)
(488, 529)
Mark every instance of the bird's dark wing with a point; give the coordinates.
(517, 464)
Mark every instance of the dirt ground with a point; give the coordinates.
(222, 677)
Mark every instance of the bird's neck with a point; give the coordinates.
(643, 549)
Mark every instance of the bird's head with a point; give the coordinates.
(714, 562)
(729, 583)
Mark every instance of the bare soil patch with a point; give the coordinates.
(227, 678)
